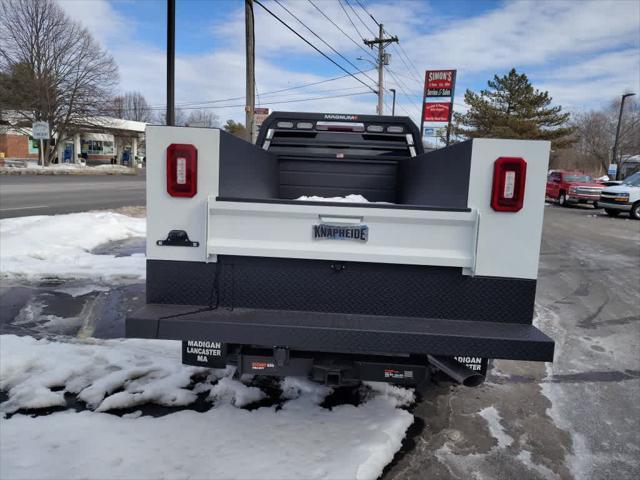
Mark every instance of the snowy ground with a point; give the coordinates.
(59, 246)
(574, 419)
(297, 439)
(70, 406)
(67, 169)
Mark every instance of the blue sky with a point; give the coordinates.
(584, 53)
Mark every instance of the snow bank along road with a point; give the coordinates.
(45, 195)
(574, 419)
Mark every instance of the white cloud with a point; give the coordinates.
(582, 52)
(104, 22)
(530, 33)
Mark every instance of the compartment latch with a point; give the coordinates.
(177, 238)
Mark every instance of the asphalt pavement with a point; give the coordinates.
(576, 418)
(24, 195)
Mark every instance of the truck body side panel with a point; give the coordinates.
(508, 243)
(166, 213)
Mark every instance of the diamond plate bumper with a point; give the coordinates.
(342, 333)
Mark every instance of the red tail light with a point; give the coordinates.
(182, 170)
(509, 176)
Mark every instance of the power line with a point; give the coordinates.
(273, 92)
(398, 81)
(350, 21)
(361, 21)
(313, 46)
(295, 100)
(367, 12)
(419, 75)
(266, 103)
(343, 32)
(409, 71)
(413, 79)
(323, 41)
(401, 85)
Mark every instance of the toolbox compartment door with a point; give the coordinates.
(288, 229)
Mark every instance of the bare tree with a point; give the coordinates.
(594, 135)
(51, 68)
(180, 117)
(202, 118)
(131, 106)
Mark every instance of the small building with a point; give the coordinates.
(102, 140)
(629, 164)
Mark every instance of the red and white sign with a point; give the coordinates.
(437, 112)
(439, 83)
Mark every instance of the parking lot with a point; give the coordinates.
(573, 419)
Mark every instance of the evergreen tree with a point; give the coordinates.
(512, 108)
(235, 128)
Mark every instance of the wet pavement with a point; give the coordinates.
(72, 308)
(577, 418)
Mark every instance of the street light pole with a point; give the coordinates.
(250, 72)
(171, 59)
(615, 144)
(393, 105)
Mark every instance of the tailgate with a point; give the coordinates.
(288, 229)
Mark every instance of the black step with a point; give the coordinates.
(342, 333)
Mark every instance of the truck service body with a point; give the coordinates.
(436, 271)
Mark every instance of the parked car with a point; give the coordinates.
(566, 187)
(622, 198)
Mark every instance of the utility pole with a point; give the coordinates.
(615, 144)
(171, 61)
(251, 61)
(381, 42)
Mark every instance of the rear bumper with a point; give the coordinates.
(342, 333)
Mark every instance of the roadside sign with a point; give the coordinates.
(260, 114)
(439, 83)
(429, 132)
(437, 112)
(40, 130)
(612, 171)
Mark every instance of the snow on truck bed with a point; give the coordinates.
(299, 441)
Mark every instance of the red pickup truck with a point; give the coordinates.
(566, 187)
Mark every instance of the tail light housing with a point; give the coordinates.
(509, 177)
(182, 170)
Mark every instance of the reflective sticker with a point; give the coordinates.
(509, 184)
(181, 170)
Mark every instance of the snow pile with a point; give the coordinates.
(23, 168)
(348, 199)
(59, 246)
(299, 441)
(30, 371)
(234, 393)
